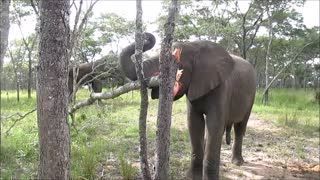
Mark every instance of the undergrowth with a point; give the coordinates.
(106, 144)
(295, 109)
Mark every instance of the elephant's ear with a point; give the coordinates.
(211, 66)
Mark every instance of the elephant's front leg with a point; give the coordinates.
(211, 162)
(196, 125)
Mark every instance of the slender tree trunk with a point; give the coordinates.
(266, 94)
(144, 165)
(16, 67)
(167, 78)
(52, 90)
(30, 49)
(29, 76)
(18, 87)
(285, 67)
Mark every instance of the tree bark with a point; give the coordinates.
(144, 165)
(16, 65)
(4, 33)
(52, 90)
(265, 97)
(167, 78)
(4, 27)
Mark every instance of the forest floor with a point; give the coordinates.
(281, 142)
(272, 152)
(269, 151)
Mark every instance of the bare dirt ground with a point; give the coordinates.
(272, 152)
(269, 151)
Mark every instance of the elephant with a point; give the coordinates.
(91, 70)
(220, 91)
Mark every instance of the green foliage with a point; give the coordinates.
(128, 172)
(301, 151)
(101, 32)
(108, 136)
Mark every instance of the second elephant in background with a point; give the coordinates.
(90, 71)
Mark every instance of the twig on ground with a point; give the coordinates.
(21, 116)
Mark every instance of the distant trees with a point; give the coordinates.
(266, 33)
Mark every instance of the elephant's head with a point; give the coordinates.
(126, 64)
(203, 65)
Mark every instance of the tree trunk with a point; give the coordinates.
(52, 90)
(18, 86)
(4, 33)
(29, 76)
(285, 67)
(4, 26)
(16, 66)
(265, 97)
(30, 49)
(167, 78)
(144, 165)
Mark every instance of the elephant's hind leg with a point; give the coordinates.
(239, 131)
(97, 88)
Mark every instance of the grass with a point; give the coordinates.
(296, 109)
(107, 143)
(128, 172)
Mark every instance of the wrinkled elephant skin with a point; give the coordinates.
(220, 90)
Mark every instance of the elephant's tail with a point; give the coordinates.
(228, 136)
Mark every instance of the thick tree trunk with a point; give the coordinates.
(52, 90)
(167, 78)
(4, 33)
(4, 28)
(144, 165)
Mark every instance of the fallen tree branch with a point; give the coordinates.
(134, 85)
(21, 116)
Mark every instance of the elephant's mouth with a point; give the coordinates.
(178, 84)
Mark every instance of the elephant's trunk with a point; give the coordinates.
(126, 64)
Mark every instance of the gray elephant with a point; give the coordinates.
(220, 90)
(89, 70)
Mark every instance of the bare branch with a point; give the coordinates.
(134, 85)
(21, 116)
(77, 29)
(34, 7)
(285, 67)
(255, 32)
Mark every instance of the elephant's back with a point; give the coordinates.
(244, 73)
(243, 88)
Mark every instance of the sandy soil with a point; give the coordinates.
(272, 152)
